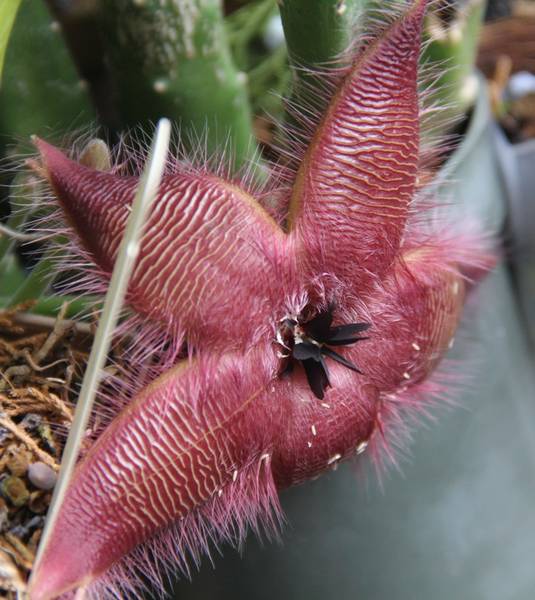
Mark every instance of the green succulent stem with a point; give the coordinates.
(42, 94)
(41, 91)
(452, 47)
(38, 281)
(11, 277)
(172, 59)
(244, 25)
(317, 32)
(21, 195)
(49, 306)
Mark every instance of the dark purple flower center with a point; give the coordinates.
(308, 342)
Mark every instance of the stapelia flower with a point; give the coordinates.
(261, 400)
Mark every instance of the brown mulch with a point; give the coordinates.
(514, 37)
(41, 362)
(507, 46)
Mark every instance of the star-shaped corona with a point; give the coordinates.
(260, 399)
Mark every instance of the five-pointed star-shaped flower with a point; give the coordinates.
(261, 400)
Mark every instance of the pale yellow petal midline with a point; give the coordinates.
(253, 204)
(196, 444)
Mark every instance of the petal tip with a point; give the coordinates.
(51, 162)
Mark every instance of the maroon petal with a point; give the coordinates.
(414, 320)
(209, 248)
(352, 192)
(184, 438)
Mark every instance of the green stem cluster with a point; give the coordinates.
(318, 33)
(451, 48)
(173, 59)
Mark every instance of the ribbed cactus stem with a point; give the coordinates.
(452, 47)
(172, 59)
(317, 33)
(41, 90)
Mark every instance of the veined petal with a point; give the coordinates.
(413, 320)
(353, 189)
(173, 448)
(185, 438)
(316, 434)
(209, 248)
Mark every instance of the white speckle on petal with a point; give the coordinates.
(362, 447)
(334, 458)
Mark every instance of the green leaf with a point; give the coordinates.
(172, 59)
(41, 91)
(11, 277)
(8, 12)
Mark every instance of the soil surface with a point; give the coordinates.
(41, 363)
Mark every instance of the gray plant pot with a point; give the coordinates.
(459, 522)
(517, 163)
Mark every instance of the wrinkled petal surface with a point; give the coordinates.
(352, 193)
(184, 438)
(209, 250)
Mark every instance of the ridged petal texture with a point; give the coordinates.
(232, 423)
(354, 187)
(189, 434)
(205, 238)
(185, 438)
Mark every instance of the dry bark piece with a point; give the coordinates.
(10, 577)
(17, 460)
(15, 490)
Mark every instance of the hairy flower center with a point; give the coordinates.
(308, 342)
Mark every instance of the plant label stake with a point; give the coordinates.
(128, 252)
